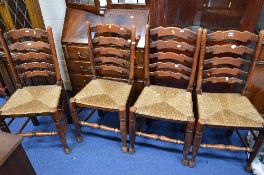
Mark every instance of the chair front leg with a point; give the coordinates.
(75, 120)
(132, 129)
(197, 141)
(123, 128)
(57, 116)
(256, 149)
(188, 140)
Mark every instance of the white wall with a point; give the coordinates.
(53, 12)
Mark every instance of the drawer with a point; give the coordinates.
(80, 53)
(79, 81)
(78, 67)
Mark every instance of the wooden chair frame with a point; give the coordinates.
(201, 124)
(57, 113)
(133, 115)
(123, 110)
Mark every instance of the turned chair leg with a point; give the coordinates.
(61, 130)
(197, 141)
(256, 149)
(75, 120)
(188, 140)
(3, 125)
(132, 129)
(123, 128)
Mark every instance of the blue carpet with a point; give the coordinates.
(100, 152)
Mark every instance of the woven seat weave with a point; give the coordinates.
(104, 94)
(165, 103)
(228, 109)
(32, 100)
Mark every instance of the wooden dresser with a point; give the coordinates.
(74, 40)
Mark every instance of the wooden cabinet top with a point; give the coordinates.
(74, 26)
(8, 143)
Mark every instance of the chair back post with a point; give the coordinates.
(54, 56)
(10, 61)
(146, 58)
(201, 62)
(195, 59)
(90, 46)
(254, 61)
(132, 55)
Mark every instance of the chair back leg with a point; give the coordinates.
(34, 121)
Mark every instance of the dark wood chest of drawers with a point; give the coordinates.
(78, 64)
(75, 46)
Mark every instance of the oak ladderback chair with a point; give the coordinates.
(32, 57)
(227, 57)
(171, 54)
(112, 54)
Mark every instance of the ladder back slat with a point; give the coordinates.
(29, 45)
(26, 32)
